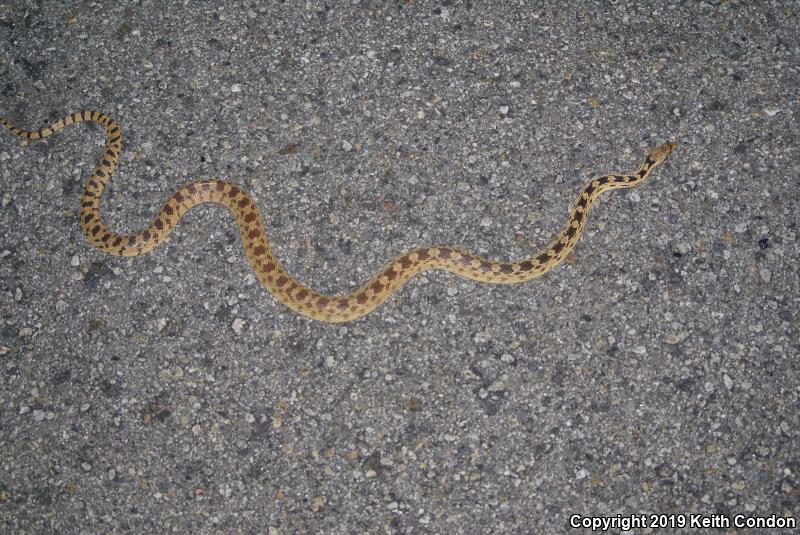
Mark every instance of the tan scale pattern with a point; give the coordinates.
(274, 277)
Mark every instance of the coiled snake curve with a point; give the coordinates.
(274, 277)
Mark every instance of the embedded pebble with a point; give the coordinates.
(238, 325)
(496, 386)
(673, 339)
(727, 380)
(480, 337)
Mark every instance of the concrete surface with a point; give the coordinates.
(655, 372)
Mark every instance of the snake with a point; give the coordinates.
(274, 277)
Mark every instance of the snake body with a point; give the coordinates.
(273, 276)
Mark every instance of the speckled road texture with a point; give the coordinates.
(656, 371)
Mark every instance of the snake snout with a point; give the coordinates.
(662, 152)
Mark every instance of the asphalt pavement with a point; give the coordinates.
(651, 380)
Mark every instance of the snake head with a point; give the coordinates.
(660, 153)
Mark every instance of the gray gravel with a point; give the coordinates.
(655, 372)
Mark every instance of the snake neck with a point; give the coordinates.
(643, 172)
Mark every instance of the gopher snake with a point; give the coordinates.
(274, 277)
